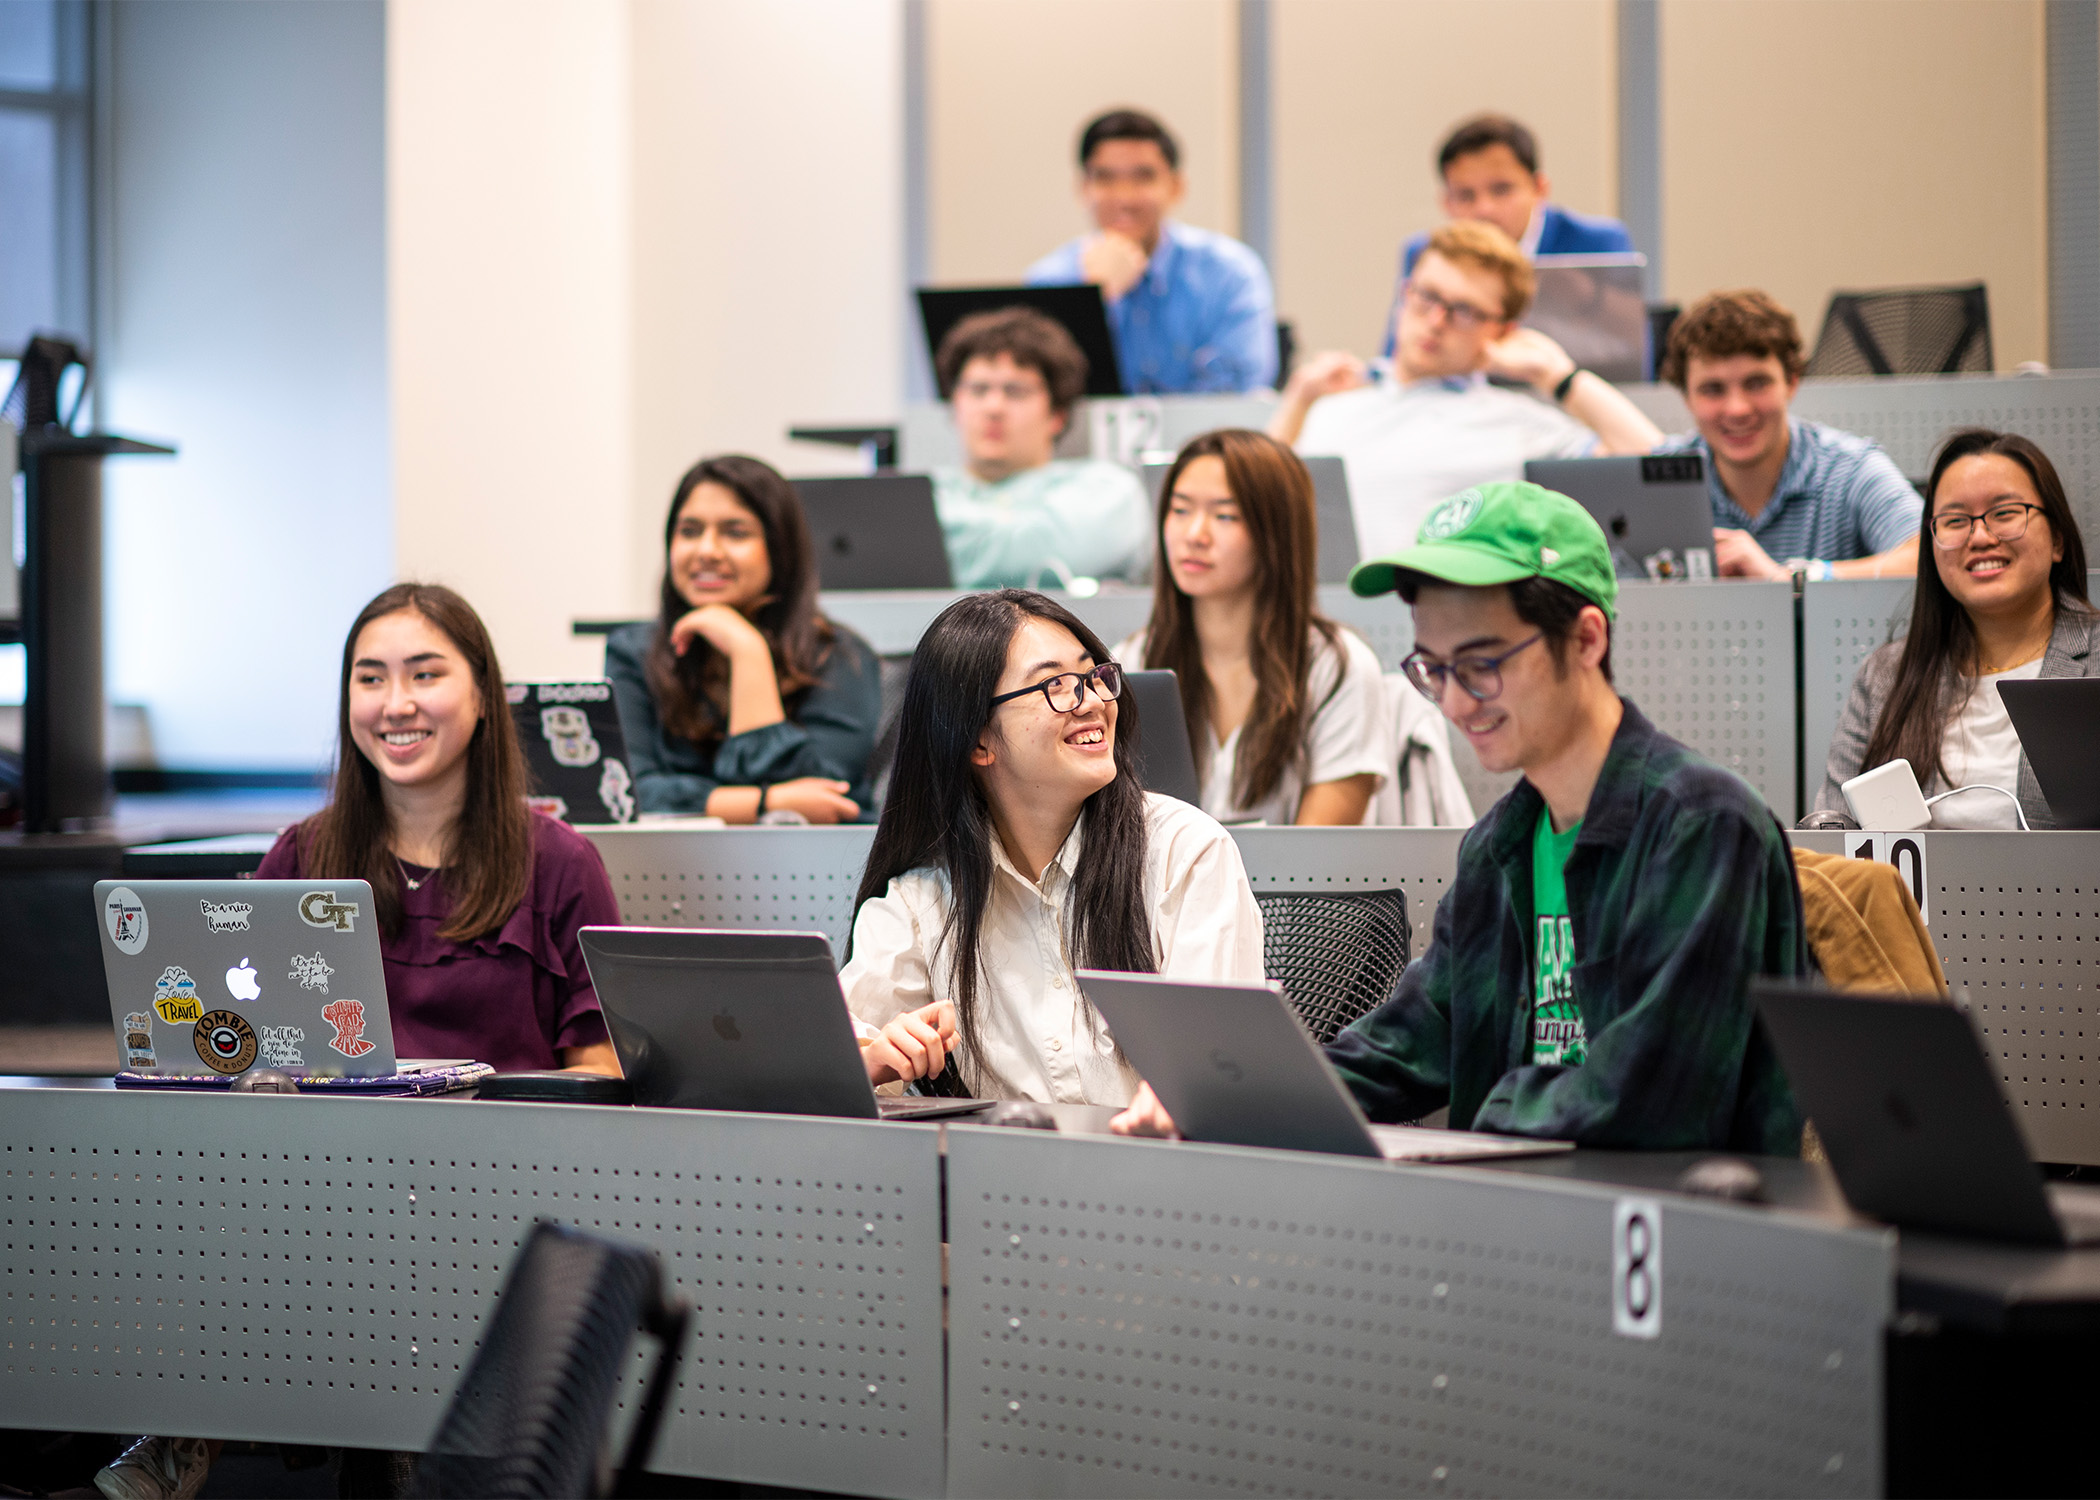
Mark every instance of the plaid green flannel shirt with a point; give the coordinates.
(1681, 888)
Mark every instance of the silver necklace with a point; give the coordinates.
(412, 884)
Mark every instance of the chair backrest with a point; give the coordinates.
(530, 1414)
(896, 671)
(1926, 330)
(1337, 954)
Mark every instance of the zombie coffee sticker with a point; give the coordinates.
(226, 1042)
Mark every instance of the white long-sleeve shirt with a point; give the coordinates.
(1037, 1035)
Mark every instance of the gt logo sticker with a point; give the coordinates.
(321, 909)
(348, 1019)
(225, 1041)
(228, 916)
(175, 996)
(125, 917)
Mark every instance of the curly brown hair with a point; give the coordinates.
(1031, 340)
(1724, 324)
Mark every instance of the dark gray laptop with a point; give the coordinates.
(1915, 1124)
(1231, 1064)
(875, 531)
(738, 1020)
(575, 753)
(1653, 508)
(2058, 722)
(1335, 521)
(1164, 760)
(1595, 307)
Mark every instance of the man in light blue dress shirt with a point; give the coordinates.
(1191, 310)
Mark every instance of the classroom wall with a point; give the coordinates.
(1811, 146)
(243, 316)
(1009, 86)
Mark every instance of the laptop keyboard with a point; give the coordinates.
(912, 1107)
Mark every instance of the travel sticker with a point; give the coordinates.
(175, 997)
(312, 973)
(125, 917)
(616, 791)
(568, 733)
(138, 1042)
(348, 1019)
(240, 982)
(226, 916)
(321, 909)
(280, 1046)
(226, 1041)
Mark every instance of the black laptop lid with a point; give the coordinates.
(575, 754)
(748, 1021)
(1164, 761)
(875, 531)
(1078, 308)
(2058, 722)
(1913, 1120)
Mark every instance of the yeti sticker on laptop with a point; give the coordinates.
(226, 916)
(348, 1019)
(568, 735)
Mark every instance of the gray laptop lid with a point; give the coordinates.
(1335, 520)
(1165, 762)
(2058, 721)
(1653, 507)
(1914, 1124)
(1595, 307)
(876, 531)
(220, 976)
(575, 753)
(738, 1020)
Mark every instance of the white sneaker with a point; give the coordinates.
(157, 1468)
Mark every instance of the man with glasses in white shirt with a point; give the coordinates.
(1435, 425)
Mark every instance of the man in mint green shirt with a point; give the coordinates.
(1014, 516)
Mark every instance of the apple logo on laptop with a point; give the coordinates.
(240, 982)
(725, 1028)
(1225, 1065)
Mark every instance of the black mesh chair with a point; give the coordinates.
(530, 1414)
(1924, 330)
(896, 671)
(1337, 954)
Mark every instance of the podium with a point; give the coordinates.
(65, 766)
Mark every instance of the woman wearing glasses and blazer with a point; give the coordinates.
(1020, 848)
(2000, 594)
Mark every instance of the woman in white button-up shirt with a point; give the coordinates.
(1016, 846)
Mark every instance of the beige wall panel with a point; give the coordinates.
(1010, 83)
(508, 301)
(768, 235)
(1363, 91)
(1819, 145)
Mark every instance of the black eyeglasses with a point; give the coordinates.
(1481, 676)
(1067, 690)
(1461, 314)
(2008, 523)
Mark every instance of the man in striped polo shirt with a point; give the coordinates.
(1789, 495)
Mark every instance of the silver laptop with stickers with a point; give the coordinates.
(214, 977)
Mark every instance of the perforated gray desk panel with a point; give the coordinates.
(1184, 1320)
(317, 1270)
(1843, 622)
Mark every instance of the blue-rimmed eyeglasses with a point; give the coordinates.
(1480, 676)
(1067, 690)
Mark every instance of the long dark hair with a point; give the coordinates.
(488, 858)
(1939, 654)
(1275, 495)
(692, 691)
(937, 816)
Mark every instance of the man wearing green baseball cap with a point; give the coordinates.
(1588, 977)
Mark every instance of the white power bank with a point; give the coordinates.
(1887, 797)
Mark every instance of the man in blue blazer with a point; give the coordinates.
(1490, 167)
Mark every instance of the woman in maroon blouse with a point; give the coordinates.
(479, 899)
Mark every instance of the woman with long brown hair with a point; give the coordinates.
(2001, 594)
(1287, 711)
(740, 699)
(479, 899)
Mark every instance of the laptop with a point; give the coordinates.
(1231, 1064)
(1335, 520)
(1079, 308)
(738, 1020)
(575, 754)
(1653, 508)
(1165, 763)
(876, 531)
(209, 978)
(1912, 1118)
(1595, 307)
(2058, 720)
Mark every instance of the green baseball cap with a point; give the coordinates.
(1500, 533)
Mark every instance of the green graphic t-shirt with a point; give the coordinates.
(1557, 1037)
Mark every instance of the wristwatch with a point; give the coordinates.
(1809, 569)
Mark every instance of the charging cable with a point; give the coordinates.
(1978, 786)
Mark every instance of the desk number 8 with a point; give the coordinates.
(1636, 1267)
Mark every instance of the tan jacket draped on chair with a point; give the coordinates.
(1864, 929)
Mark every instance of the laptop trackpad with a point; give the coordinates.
(1421, 1143)
(2077, 1210)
